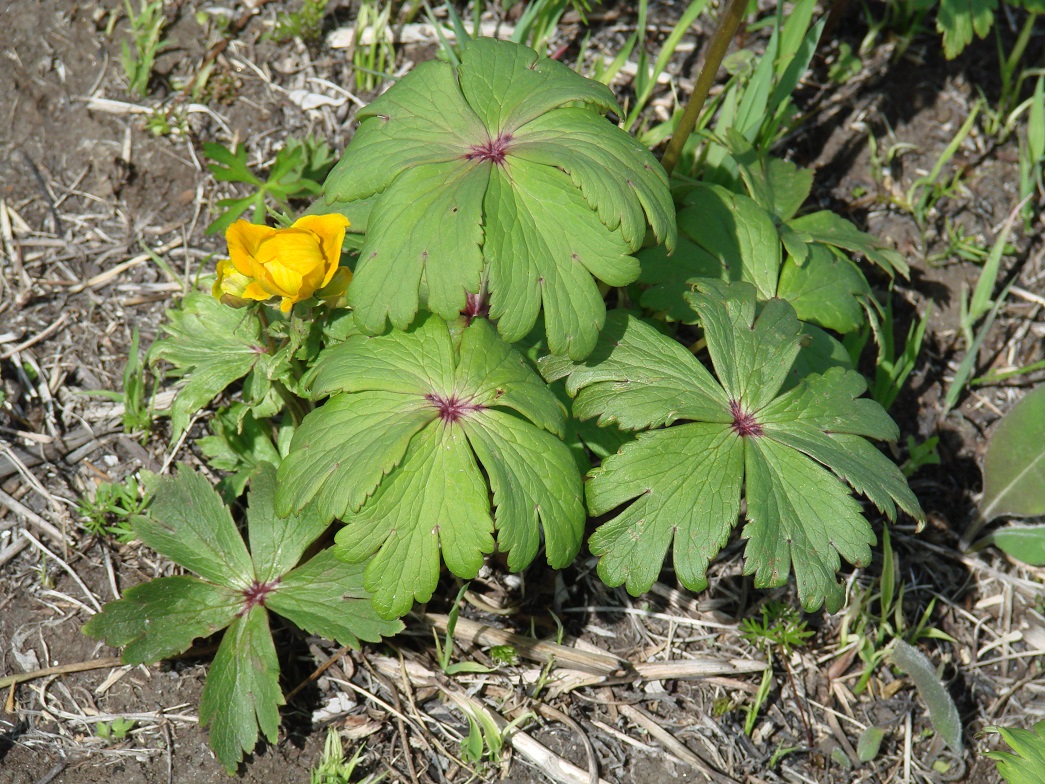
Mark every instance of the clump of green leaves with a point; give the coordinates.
(296, 172)
(306, 23)
(779, 629)
(759, 236)
(138, 55)
(333, 768)
(373, 53)
(499, 178)
(236, 589)
(109, 511)
(788, 449)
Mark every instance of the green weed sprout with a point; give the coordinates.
(139, 54)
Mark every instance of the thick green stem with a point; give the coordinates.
(727, 28)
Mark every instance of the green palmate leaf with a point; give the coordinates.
(162, 617)
(1027, 765)
(314, 597)
(242, 690)
(188, 522)
(789, 445)
(502, 178)
(400, 449)
(211, 345)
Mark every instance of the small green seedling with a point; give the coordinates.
(115, 730)
(333, 768)
(444, 651)
(920, 455)
(779, 629)
(109, 512)
(236, 589)
(306, 23)
(137, 406)
(373, 53)
(139, 54)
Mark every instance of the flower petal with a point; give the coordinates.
(330, 229)
(243, 239)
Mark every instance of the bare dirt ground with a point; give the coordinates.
(87, 192)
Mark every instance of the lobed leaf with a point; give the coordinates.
(161, 618)
(242, 690)
(501, 179)
(189, 523)
(792, 449)
(1027, 764)
(211, 345)
(396, 453)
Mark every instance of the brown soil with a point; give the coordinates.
(88, 186)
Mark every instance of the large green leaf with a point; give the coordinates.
(790, 447)
(499, 179)
(242, 690)
(400, 449)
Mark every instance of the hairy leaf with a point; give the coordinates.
(499, 178)
(791, 447)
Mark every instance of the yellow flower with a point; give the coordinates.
(292, 263)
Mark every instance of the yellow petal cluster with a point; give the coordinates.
(292, 263)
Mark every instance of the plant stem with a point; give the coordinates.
(727, 28)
